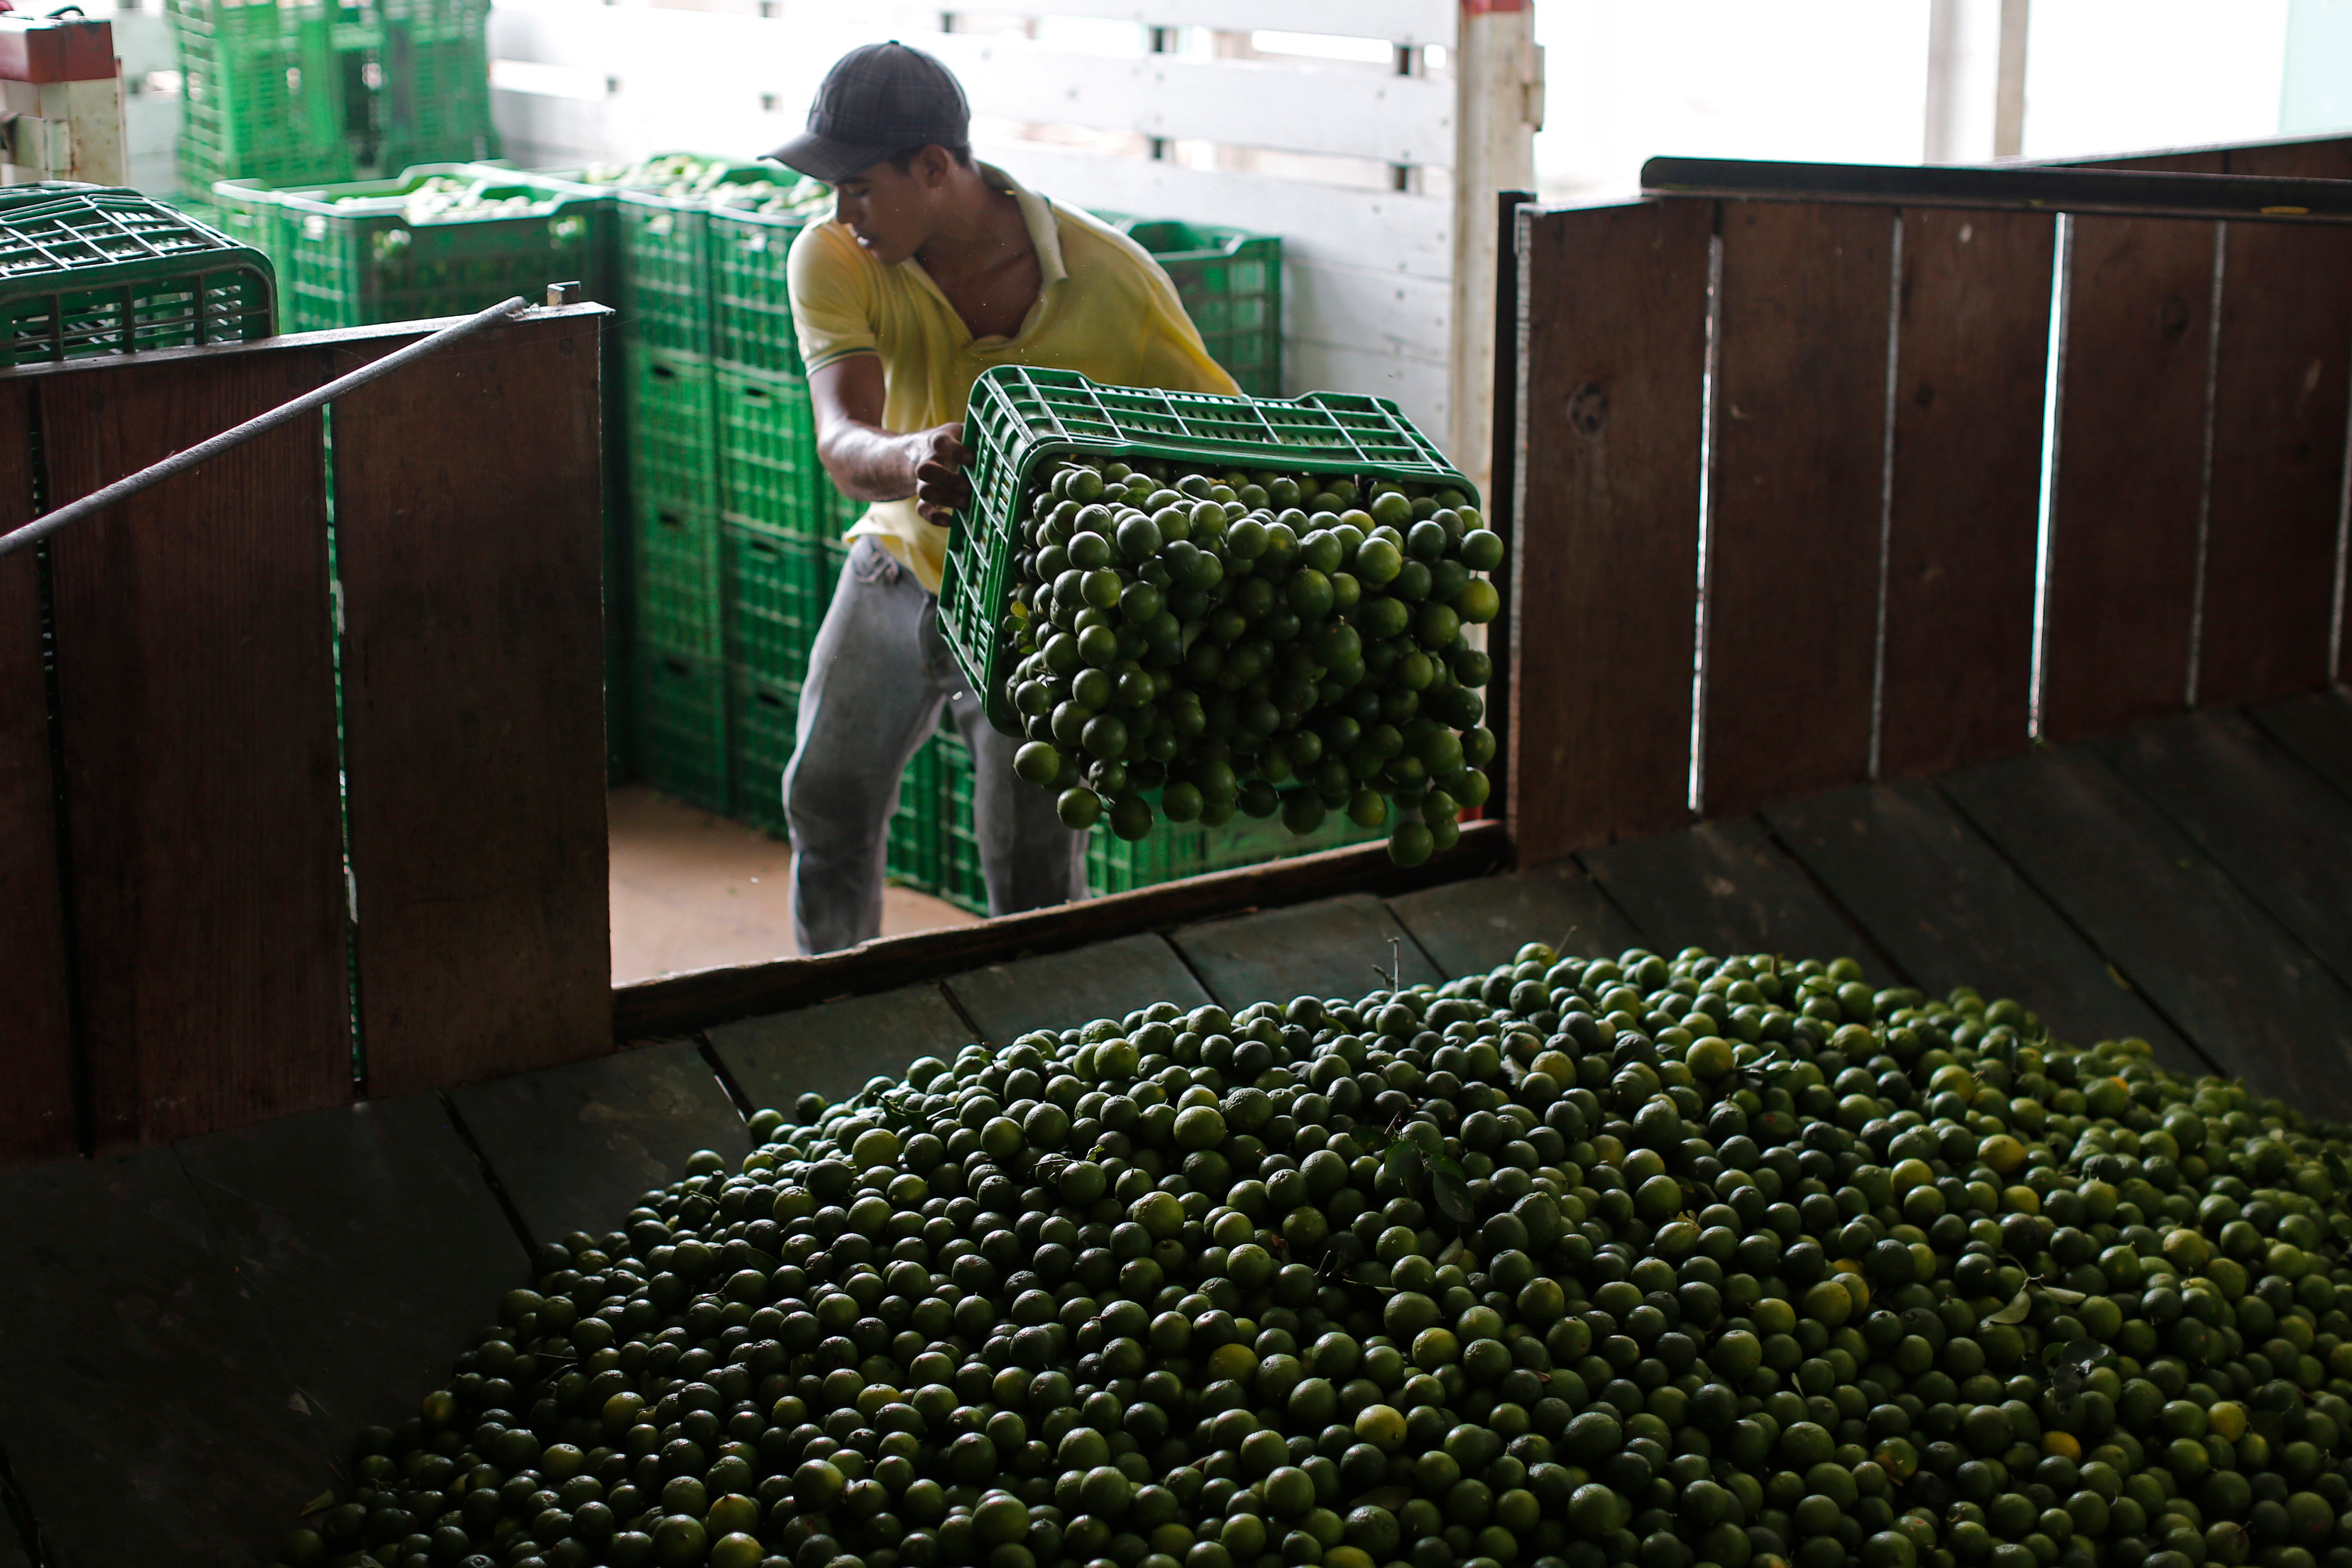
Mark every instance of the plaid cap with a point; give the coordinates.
(877, 100)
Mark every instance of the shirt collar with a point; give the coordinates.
(1037, 213)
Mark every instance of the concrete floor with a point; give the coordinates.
(690, 890)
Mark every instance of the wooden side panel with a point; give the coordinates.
(468, 534)
(1800, 410)
(1064, 990)
(2130, 470)
(1480, 922)
(1340, 947)
(1604, 588)
(1727, 888)
(2314, 158)
(1951, 912)
(196, 696)
(1971, 368)
(2281, 832)
(572, 1147)
(150, 1416)
(2317, 728)
(2246, 994)
(370, 1245)
(2279, 395)
(834, 1048)
(37, 1109)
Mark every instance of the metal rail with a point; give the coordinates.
(179, 463)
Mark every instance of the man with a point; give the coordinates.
(934, 269)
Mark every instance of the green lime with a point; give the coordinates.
(1079, 808)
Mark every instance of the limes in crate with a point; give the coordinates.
(1575, 1262)
(1258, 642)
(443, 198)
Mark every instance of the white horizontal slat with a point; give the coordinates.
(1326, 297)
(1378, 312)
(1378, 229)
(1241, 103)
(1396, 21)
(684, 57)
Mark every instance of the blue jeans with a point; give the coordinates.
(877, 678)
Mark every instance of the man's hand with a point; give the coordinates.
(939, 457)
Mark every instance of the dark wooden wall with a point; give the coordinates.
(184, 723)
(1781, 525)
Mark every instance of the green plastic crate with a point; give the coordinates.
(434, 106)
(357, 254)
(752, 306)
(761, 717)
(681, 726)
(88, 270)
(1231, 283)
(774, 597)
(960, 879)
(672, 427)
(261, 92)
(665, 275)
(768, 475)
(1022, 415)
(913, 853)
(1176, 849)
(675, 580)
(619, 686)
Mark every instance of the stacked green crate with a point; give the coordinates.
(261, 92)
(91, 271)
(679, 567)
(960, 882)
(762, 713)
(1231, 283)
(439, 241)
(432, 102)
(1188, 850)
(767, 471)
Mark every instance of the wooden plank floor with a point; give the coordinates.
(1950, 910)
(1339, 947)
(216, 1316)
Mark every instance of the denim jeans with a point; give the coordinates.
(877, 678)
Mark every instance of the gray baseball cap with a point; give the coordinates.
(877, 100)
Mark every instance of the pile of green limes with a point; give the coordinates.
(1252, 642)
(1575, 1263)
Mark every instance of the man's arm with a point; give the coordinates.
(871, 463)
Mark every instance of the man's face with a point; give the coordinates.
(892, 211)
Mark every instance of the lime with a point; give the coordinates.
(1078, 808)
(679, 1540)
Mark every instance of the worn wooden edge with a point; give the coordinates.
(684, 1003)
(389, 335)
(2236, 197)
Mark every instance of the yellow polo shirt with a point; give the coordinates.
(1106, 310)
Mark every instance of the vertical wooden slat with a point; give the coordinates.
(2280, 386)
(1973, 356)
(1799, 464)
(2130, 468)
(1603, 591)
(467, 534)
(197, 705)
(37, 1109)
(1503, 458)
